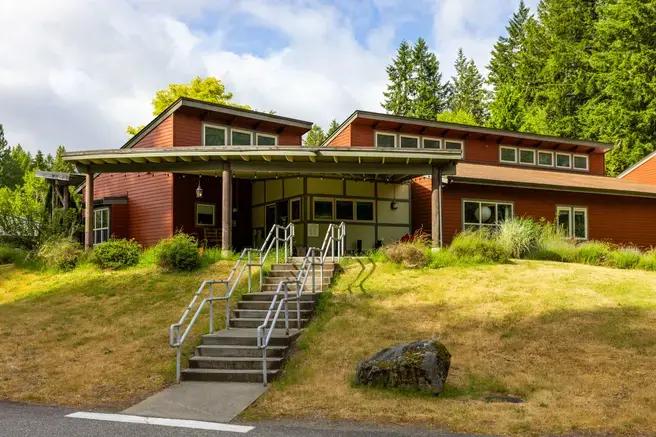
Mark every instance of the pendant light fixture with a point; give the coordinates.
(199, 190)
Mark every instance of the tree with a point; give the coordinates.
(507, 108)
(332, 128)
(503, 59)
(469, 94)
(315, 137)
(58, 164)
(460, 117)
(429, 95)
(209, 89)
(398, 97)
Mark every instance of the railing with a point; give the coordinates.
(176, 339)
(265, 330)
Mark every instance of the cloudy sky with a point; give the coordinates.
(77, 72)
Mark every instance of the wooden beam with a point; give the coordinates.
(359, 159)
(436, 207)
(224, 157)
(98, 161)
(267, 158)
(153, 159)
(245, 157)
(186, 158)
(204, 158)
(111, 160)
(312, 158)
(281, 130)
(289, 158)
(226, 209)
(170, 158)
(336, 159)
(88, 212)
(444, 132)
(139, 160)
(125, 160)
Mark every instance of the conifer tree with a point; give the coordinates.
(469, 94)
(399, 95)
(430, 96)
(315, 137)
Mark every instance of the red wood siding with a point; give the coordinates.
(188, 130)
(288, 139)
(623, 220)
(161, 136)
(343, 139)
(481, 152)
(119, 221)
(150, 202)
(644, 174)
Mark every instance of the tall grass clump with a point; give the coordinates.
(593, 252)
(626, 258)
(179, 253)
(411, 255)
(60, 253)
(648, 261)
(12, 255)
(479, 246)
(520, 236)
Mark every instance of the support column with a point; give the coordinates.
(88, 212)
(436, 207)
(226, 209)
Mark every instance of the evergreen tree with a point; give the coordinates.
(332, 128)
(58, 164)
(507, 108)
(399, 94)
(469, 94)
(429, 95)
(504, 55)
(315, 137)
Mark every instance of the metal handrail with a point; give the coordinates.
(309, 264)
(273, 238)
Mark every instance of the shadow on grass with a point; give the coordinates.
(362, 277)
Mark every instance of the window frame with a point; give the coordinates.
(515, 149)
(546, 152)
(572, 210)
(198, 225)
(258, 134)
(241, 131)
(448, 140)
(322, 199)
(352, 210)
(355, 210)
(219, 127)
(569, 155)
(390, 134)
(481, 201)
(414, 137)
(95, 212)
(524, 149)
(299, 200)
(439, 141)
(587, 162)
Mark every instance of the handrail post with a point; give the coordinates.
(298, 304)
(287, 310)
(211, 308)
(227, 315)
(177, 363)
(264, 365)
(314, 272)
(332, 243)
(249, 271)
(286, 236)
(277, 242)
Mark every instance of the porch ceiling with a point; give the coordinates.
(251, 162)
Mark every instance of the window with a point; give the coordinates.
(100, 225)
(453, 145)
(266, 140)
(485, 215)
(545, 158)
(205, 214)
(323, 209)
(241, 138)
(527, 156)
(295, 208)
(563, 160)
(409, 142)
(385, 140)
(573, 220)
(214, 135)
(507, 154)
(364, 211)
(580, 162)
(432, 143)
(344, 210)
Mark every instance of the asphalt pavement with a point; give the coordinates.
(20, 420)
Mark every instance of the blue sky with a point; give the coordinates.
(77, 72)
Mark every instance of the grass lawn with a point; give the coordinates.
(92, 338)
(577, 343)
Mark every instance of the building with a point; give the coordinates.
(205, 168)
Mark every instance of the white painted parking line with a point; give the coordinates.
(195, 424)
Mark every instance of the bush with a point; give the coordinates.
(179, 253)
(593, 252)
(408, 254)
(562, 251)
(519, 236)
(438, 259)
(116, 254)
(61, 253)
(480, 246)
(626, 258)
(648, 261)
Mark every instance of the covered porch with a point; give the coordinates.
(239, 192)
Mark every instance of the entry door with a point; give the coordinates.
(270, 218)
(282, 213)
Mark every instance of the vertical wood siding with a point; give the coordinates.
(620, 219)
(119, 221)
(161, 136)
(645, 174)
(187, 130)
(343, 139)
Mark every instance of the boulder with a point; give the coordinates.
(421, 365)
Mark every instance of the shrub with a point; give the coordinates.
(626, 257)
(520, 236)
(179, 253)
(479, 245)
(593, 252)
(408, 254)
(438, 259)
(116, 254)
(12, 255)
(61, 253)
(648, 261)
(556, 250)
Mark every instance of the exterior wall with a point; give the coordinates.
(644, 174)
(388, 224)
(149, 207)
(621, 219)
(119, 220)
(161, 136)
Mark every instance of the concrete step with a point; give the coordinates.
(261, 313)
(294, 273)
(219, 375)
(261, 305)
(239, 351)
(234, 363)
(248, 337)
(267, 296)
(277, 279)
(280, 323)
(297, 266)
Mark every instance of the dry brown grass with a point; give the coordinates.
(578, 343)
(92, 338)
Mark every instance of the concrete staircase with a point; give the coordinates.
(232, 355)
